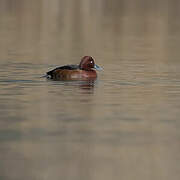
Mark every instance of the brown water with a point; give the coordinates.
(123, 126)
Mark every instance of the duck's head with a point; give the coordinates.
(87, 63)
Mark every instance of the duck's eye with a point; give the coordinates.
(91, 62)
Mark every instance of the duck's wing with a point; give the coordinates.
(66, 67)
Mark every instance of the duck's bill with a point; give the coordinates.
(97, 67)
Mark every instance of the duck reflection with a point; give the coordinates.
(87, 86)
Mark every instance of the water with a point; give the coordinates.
(125, 125)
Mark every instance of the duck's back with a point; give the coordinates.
(66, 67)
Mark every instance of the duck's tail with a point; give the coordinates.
(45, 76)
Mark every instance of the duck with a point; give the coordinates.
(85, 70)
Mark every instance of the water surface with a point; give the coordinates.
(125, 125)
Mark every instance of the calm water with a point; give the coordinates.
(123, 126)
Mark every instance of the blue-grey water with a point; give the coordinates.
(125, 125)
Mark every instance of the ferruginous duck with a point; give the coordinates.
(84, 71)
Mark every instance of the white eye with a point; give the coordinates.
(91, 62)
